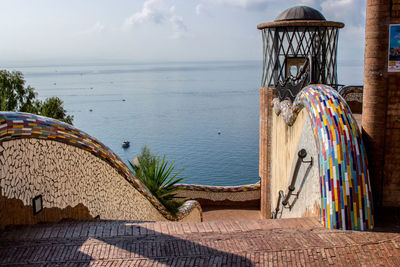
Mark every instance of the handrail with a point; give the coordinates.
(275, 214)
(300, 159)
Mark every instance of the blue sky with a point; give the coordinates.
(157, 30)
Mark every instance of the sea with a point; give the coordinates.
(203, 116)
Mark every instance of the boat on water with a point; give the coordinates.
(125, 144)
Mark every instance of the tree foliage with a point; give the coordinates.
(53, 107)
(157, 175)
(14, 96)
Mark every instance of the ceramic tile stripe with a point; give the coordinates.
(209, 188)
(346, 199)
(16, 125)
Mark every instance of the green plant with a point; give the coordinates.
(53, 108)
(157, 174)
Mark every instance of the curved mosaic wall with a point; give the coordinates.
(14, 125)
(346, 199)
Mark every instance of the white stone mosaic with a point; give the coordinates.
(66, 176)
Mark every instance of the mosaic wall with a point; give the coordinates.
(346, 199)
(15, 126)
(68, 176)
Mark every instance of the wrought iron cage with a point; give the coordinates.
(297, 53)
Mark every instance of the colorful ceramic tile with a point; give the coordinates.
(346, 198)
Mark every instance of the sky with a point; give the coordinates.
(66, 31)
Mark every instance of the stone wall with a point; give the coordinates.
(222, 196)
(287, 141)
(353, 96)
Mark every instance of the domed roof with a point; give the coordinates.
(300, 13)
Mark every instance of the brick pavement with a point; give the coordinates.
(283, 242)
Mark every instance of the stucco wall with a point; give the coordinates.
(286, 142)
(67, 177)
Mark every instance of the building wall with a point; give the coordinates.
(391, 185)
(284, 145)
(381, 104)
(287, 141)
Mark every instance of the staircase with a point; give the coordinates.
(300, 241)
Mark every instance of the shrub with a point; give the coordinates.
(157, 174)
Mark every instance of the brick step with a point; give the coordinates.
(229, 243)
(103, 228)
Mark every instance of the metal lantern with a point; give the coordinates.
(300, 48)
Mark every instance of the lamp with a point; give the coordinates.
(37, 204)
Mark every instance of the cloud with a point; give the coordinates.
(152, 11)
(348, 11)
(199, 9)
(157, 12)
(308, 2)
(246, 4)
(203, 9)
(98, 27)
(179, 28)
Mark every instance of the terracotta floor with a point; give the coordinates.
(282, 242)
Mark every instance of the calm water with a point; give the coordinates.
(177, 109)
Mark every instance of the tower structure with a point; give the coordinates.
(300, 48)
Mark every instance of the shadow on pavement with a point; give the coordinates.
(120, 241)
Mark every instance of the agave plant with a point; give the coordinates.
(155, 172)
